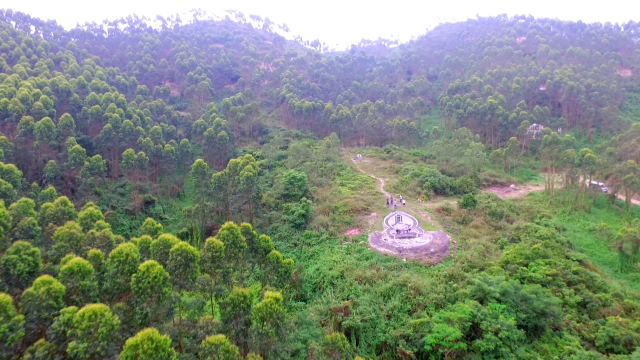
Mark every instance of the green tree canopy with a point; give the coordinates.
(151, 228)
(77, 275)
(235, 313)
(20, 265)
(183, 265)
(95, 333)
(148, 344)
(161, 247)
(11, 327)
(121, 265)
(218, 347)
(234, 243)
(151, 285)
(68, 239)
(41, 303)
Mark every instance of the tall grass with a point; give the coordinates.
(581, 229)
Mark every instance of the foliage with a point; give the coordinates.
(20, 265)
(218, 347)
(77, 275)
(295, 184)
(121, 265)
(11, 326)
(94, 333)
(183, 265)
(468, 202)
(148, 344)
(164, 132)
(151, 287)
(68, 240)
(41, 302)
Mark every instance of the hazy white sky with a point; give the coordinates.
(338, 23)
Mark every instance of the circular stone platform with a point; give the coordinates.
(402, 236)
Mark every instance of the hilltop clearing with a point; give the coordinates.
(382, 170)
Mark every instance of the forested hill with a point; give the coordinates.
(177, 189)
(488, 75)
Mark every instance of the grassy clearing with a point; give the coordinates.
(581, 228)
(528, 175)
(344, 203)
(430, 120)
(385, 169)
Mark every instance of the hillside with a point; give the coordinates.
(185, 190)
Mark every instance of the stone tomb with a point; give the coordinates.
(402, 236)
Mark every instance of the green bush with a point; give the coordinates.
(493, 177)
(295, 184)
(468, 202)
(297, 214)
(526, 174)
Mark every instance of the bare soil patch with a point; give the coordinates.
(635, 199)
(626, 72)
(512, 191)
(371, 219)
(175, 88)
(353, 232)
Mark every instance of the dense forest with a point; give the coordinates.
(177, 189)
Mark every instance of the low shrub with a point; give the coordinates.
(468, 202)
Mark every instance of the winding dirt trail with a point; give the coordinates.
(377, 178)
(429, 253)
(372, 218)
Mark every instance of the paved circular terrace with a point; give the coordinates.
(402, 236)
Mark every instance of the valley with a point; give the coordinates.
(207, 188)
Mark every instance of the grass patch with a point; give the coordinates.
(380, 293)
(527, 175)
(581, 229)
(377, 163)
(431, 119)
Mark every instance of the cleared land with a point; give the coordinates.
(507, 191)
(382, 171)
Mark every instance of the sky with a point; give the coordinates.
(338, 23)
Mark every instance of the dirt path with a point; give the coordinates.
(417, 209)
(377, 178)
(634, 198)
(506, 191)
